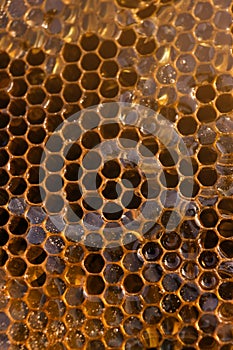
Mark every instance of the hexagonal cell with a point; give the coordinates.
(4, 59)
(127, 37)
(166, 33)
(185, 21)
(35, 76)
(203, 10)
(71, 72)
(145, 46)
(224, 103)
(109, 88)
(71, 93)
(94, 284)
(5, 322)
(185, 42)
(17, 67)
(205, 93)
(90, 61)
(4, 80)
(89, 41)
(114, 337)
(74, 296)
(35, 57)
(75, 339)
(94, 263)
(133, 283)
(187, 125)
(107, 49)
(16, 267)
(19, 332)
(71, 53)
(18, 88)
(206, 114)
(53, 84)
(204, 53)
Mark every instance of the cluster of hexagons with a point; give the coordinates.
(63, 287)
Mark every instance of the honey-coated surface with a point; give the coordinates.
(73, 275)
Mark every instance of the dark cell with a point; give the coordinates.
(113, 316)
(133, 325)
(171, 261)
(4, 197)
(208, 302)
(3, 257)
(226, 248)
(189, 292)
(188, 335)
(134, 344)
(113, 253)
(226, 290)
(208, 259)
(94, 263)
(113, 273)
(208, 323)
(16, 267)
(171, 241)
(95, 284)
(74, 296)
(171, 303)
(209, 217)
(18, 225)
(190, 249)
(208, 280)
(133, 283)
(113, 337)
(152, 315)
(71, 53)
(95, 345)
(189, 229)
(4, 177)
(17, 246)
(132, 263)
(152, 272)
(171, 282)
(133, 304)
(152, 251)
(89, 41)
(4, 236)
(208, 342)
(225, 228)
(55, 265)
(36, 255)
(209, 239)
(189, 314)
(107, 49)
(151, 294)
(113, 295)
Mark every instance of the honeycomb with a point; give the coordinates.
(116, 155)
